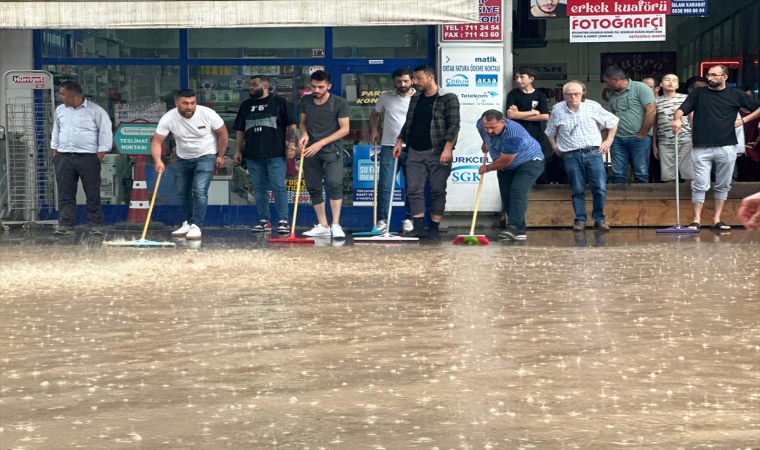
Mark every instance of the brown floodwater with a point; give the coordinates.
(624, 340)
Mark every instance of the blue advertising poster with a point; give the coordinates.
(364, 181)
(688, 7)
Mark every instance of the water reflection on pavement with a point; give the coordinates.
(590, 341)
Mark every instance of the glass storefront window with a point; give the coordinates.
(255, 42)
(380, 42)
(110, 43)
(362, 91)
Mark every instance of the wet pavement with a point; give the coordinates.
(569, 341)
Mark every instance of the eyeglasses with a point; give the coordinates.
(573, 94)
(614, 106)
(714, 75)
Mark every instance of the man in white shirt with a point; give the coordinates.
(573, 131)
(394, 104)
(201, 144)
(82, 135)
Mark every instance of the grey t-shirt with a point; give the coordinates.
(322, 120)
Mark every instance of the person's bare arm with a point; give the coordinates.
(239, 140)
(646, 125)
(553, 144)
(538, 118)
(501, 162)
(156, 147)
(223, 140)
(605, 147)
(514, 114)
(374, 122)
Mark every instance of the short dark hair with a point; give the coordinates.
(185, 93)
(262, 78)
(525, 70)
(612, 72)
(72, 86)
(428, 70)
(492, 114)
(693, 80)
(401, 72)
(723, 69)
(321, 75)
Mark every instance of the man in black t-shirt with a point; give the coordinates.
(261, 125)
(529, 107)
(714, 140)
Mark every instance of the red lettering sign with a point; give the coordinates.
(489, 28)
(617, 7)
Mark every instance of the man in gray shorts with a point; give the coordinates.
(324, 123)
(715, 108)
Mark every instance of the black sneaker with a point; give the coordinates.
(63, 229)
(95, 230)
(283, 227)
(434, 235)
(418, 227)
(514, 234)
(262, 227)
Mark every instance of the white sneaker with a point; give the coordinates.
(381, 225)
(181, 231)
(408, 225)
(337, 232)
(194, 234)
(318, 230)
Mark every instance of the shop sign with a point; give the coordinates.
(364, 178)
(290, 184)
(476, 75)
(488, 29)
(30, 80)
(617, 7)
(134, 138)
(548, 71)
(640, 65)
(688, 8)
(628, 28)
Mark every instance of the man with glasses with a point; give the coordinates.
(633, 103)
(715, 110)
(573, 131)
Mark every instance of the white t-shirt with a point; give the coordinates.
(195, 136)
(394, 107)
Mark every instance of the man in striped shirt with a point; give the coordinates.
(518, 160)
(573, 131)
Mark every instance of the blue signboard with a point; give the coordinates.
(688, 7)
(364, 181)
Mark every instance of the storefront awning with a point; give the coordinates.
(91, 14)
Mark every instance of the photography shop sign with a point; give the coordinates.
(93, 14)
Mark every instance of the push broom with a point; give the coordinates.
(374, 231)
(472, 238)
(677, 230)
(387, 237)
(142, 242)
(292, 239)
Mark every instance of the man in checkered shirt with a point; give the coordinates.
(573, 132)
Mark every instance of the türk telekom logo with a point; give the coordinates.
(21, 79)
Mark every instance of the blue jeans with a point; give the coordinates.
(385, 184)
(582, 168)
(631, 150)
(269, 174)
(193, 177)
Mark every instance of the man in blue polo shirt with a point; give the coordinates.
(518, 160)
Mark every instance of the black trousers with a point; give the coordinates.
(69, 169)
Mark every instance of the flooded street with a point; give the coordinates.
(625, 340)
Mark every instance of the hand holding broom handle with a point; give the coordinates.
(150, 208)
(477, 199)
(374, 195)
